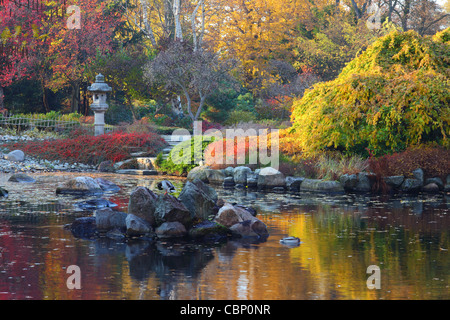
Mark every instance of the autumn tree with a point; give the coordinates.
(73, 50)
(192, 74)
(255, 32)
(18, 33)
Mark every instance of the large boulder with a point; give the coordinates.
(199, 172)
(431, 188)
(348, 181)
(364, 184)
(411, 185)
(228, 215)
(240, 221)
(106, 166)
(84, 228)
(136, 226)
(171, 230)
(3, 192)
(293, 183)
(15, 155)
(170, 209)
(419, 175)
(394, 181)
(215, 176)
(199, 198)
(240, 174)
(228, 182)
(142, 204)
(436, 180)
(269, 178)
(107, 185)
(107, 219)
(318, 185)
(21, 178)
(80, 186)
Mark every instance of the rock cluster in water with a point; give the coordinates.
(273, 180)
(196, 214)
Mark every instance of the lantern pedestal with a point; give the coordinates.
(99, 89)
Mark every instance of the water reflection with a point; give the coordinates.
(407, 237)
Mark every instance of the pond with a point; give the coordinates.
(408, 238)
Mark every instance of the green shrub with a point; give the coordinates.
(393, 96)
(187, 161)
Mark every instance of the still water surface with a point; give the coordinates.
(407, 237)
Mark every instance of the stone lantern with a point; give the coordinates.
(99, 89)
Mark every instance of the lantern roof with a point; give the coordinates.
(99, 85)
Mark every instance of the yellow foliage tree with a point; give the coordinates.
(256, 31)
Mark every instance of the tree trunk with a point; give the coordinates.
(45, 97)
(148, 27)
(2, 96)
(75, 100)
(176, 14)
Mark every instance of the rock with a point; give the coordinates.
(142, 204)
(228, 182)
(170, 209)
(215, 176)
(250, 210)
(418, 174)
(84, 228)
(318, 185)
(394, 181)
(107, 185)
(198, 173)
(79, 186)
(431, 188)
(106, 166)
(15, 155)
(228, 215)
(3, 192)
(171, 230)
(363, 184)
(145, 163)
(269, 178)
(293, 183)
(249, 228)
(137, 226)
(208, 231)
(199, 198)
(94, 204)
(21, 177)
(129, 164)
(240, 174)
(229, 171)
(348, 181)
(107, 219)
(411, 185)
(436, 180)
(252, 183)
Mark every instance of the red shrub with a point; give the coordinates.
(92, 150)
(434, 161)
